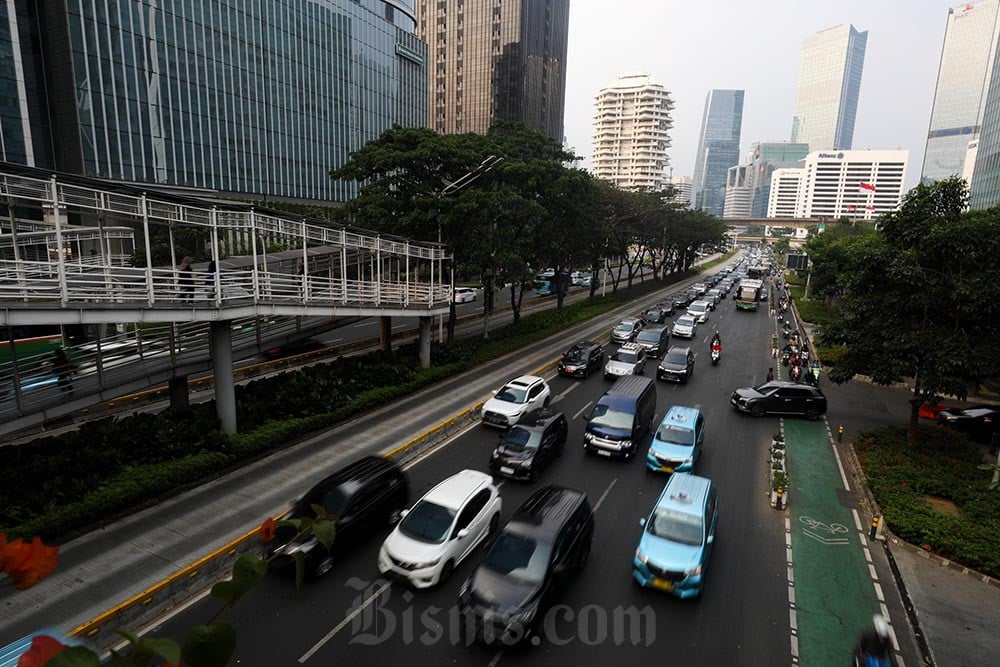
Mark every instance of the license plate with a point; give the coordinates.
(603, 452)
(507, 471)
(666, 469)
(663, 585)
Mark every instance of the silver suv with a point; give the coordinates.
(626, 330)
(629, 359)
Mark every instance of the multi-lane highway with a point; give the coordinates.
(352, 616)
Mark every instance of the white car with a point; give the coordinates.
(685, 327)
(699, 311)
(629, 359)
(516, 398)
(465, 294)
(441, 529)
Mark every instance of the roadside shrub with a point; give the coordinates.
(941, 463)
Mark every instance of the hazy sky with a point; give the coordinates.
(694, 46)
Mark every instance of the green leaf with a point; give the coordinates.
(209, 645)
(325, 532)
(319, 511)
(132, 638)
(166, 648)
(247, 572)
(75, 656)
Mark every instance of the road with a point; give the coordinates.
(351, 617)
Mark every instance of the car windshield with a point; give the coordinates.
(518, 556)
(685, 321)
(653, 314)
(676, 527)
(427, 522)
(675, 435)
(766, 389)
(511, 394)
(678, 358)
(519, 438)
(333, 501)
(626, 356)
(605, 416)
(698, 307)
(649, 336)
(624, 327)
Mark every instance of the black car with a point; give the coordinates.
(979, 422)
(681, 300)
(530, 445)
(582, 359)
(364, 496)
(529, 565)
(779, 397)
(677, 365)
(654, 339)
(654, 316)
(667, 306)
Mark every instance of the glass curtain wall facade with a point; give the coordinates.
(492, 60)
(255, 97)
(826, 103)
(970, 44)
(718, 149)
(984, 190)
(25, 137)
(765, 157)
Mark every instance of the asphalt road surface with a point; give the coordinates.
(353, 617)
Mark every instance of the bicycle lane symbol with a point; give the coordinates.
(833, 533)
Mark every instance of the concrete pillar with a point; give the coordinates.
(221, 340)
(178, 389)
(424, 342)
(385, 333)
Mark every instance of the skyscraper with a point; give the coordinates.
(261, 100)
(493, 60)
(765, 157)
(737, 193)
(718, 149)
(682, 190)
(632, 133)
(970, 44)
(829, 82)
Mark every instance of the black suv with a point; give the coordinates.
(681, 299)
(582, 359)
(654, 316)
(667, 306)
(779, 397)
(365, 495)
(530, 563)
(530, 445)
(677, 365)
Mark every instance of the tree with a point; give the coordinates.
(917, 298)
(829, 255)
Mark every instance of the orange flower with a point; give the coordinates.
(43, 648)
(267, 530)
(27, 563)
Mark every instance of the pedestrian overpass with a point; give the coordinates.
(264, 265)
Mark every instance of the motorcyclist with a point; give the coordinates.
(717, 343)
(874, 649)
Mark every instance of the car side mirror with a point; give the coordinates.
(711, 538)
(403, 513)
(642, 522)
(462, 533)
(493, 392)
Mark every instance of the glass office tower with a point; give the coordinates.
(718, 149)
(260, 98)
(492, 60)
(970, 44)
(765, 158)
(829, 84)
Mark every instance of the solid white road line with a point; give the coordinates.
(583, 409)
(605, 494)
(840, 466)
(340, 626)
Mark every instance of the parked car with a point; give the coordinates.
(531, 445)
(780, 397)
(678, 440)
(654, 340)
(677, 537)
(292, 348)
(980, 422)
(685, 327)
(529, 566)
(699, 311)
(582, 359)
(442, 529)
(677, 365)
(363, 496)
(465, 294)
(514, 399)
(625, 331)
(629, 359)
(654, 316)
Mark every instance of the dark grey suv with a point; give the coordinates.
(582, 359)
(781, 398)
(530, 445)
(654, 339)
(677, 365)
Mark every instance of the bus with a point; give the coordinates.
(757, 272)
(748, 294)
(545, 283)
(30, 342)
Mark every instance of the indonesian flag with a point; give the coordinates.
(865, 185)
(851, 207)
(869, 208)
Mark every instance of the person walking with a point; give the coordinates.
(185, 279)
(770, 374)
(210, 278)
(63, 368)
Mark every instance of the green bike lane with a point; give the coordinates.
(833, 597)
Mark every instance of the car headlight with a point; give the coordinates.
(625, 444)
(430, 563)
(692, 571)
(687, 459)
(641, 557)
(588, 437)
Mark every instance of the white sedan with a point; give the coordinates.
(465, 294)
(441, 529)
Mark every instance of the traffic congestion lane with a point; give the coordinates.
(273, 624)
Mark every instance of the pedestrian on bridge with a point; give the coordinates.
(185, 278)
(63, 369)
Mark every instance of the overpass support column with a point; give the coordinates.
(221, 339)
(424, 342)
(178, 389)
(385, 333)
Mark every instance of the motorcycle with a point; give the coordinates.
(874, 648)
(716, 355)
(795, 372)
